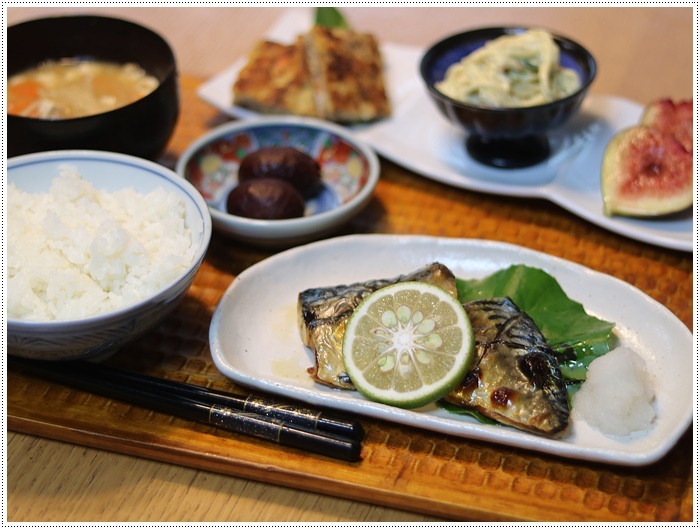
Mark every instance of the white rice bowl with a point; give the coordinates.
(99, 248)
(78, 251)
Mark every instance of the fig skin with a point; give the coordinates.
(674, 118)
(646, 173)
(285, 163)
(265, 198)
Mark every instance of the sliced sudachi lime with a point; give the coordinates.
(408, 344)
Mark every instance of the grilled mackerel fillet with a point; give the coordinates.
(516, 379)
(323, 314)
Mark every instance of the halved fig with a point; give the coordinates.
(671, 118)
(646, 173)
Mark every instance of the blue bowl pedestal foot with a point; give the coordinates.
(509, 153)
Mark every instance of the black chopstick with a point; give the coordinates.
(195, 403)
(293, 414)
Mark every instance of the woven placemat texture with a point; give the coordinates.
(401, 467)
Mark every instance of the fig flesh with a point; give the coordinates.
(674, 118)
(646, 172)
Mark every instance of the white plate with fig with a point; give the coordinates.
(417, 137)
(255, 338)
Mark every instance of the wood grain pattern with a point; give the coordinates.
(401, 468)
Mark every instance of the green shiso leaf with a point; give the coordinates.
(330, 17)
(576, 337)
(453, 408)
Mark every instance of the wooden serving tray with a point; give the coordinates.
(401, 467)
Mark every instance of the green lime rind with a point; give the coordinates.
(441, 339)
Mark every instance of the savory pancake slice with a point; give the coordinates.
(275, 80)
(346, 73)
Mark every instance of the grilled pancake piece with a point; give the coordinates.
(347, 75)
(275, 80)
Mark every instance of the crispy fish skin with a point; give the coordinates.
(516, 379)
(323, 313)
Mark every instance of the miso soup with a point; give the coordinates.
(71, 89)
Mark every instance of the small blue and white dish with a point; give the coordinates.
(349, 175)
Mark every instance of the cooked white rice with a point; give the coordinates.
(77, 251)
(617, 396)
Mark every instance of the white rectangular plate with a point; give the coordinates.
(255, 339)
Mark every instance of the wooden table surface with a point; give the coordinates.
(642, 53)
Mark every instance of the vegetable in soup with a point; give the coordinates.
(71, 89)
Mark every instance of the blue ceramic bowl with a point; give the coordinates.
(504, 137)
(349, 172)
(103, 334)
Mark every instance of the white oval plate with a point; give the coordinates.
(255, 339)
(417, 137)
